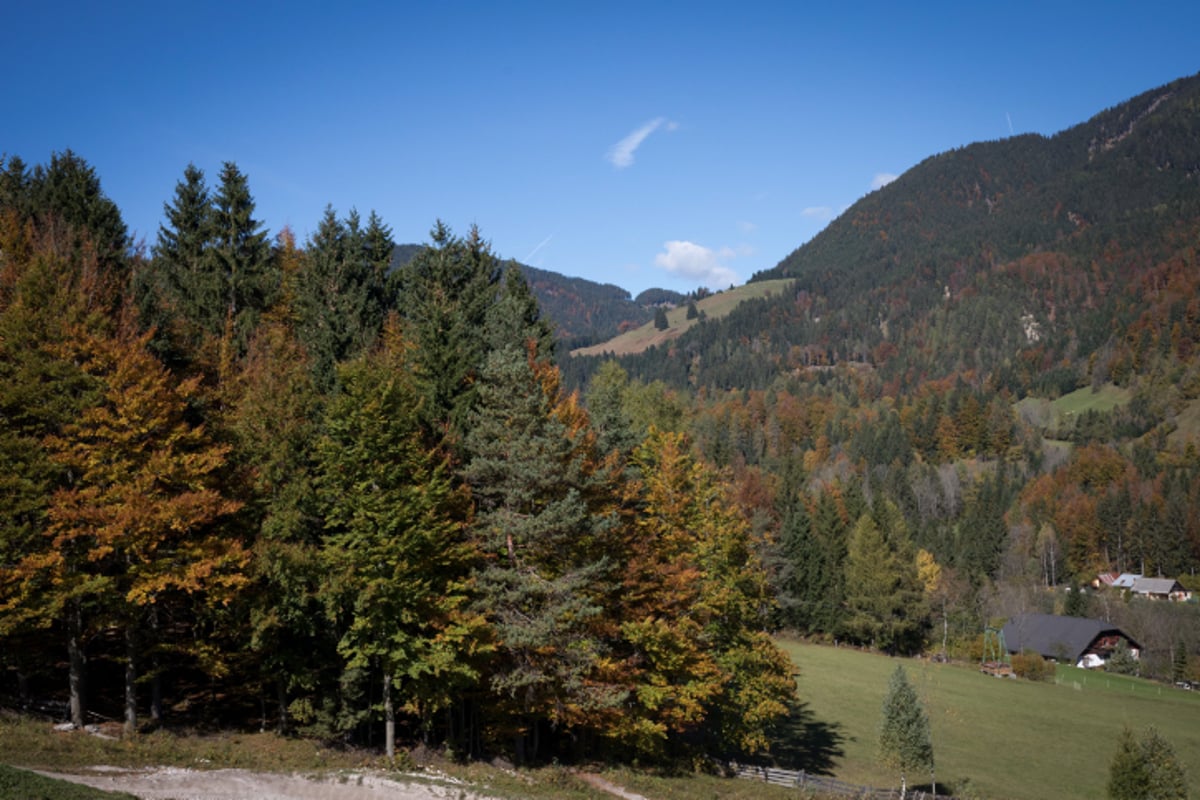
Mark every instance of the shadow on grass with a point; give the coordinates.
(808, 744)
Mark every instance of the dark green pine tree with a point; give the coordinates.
(1166, 779)
(15, 183)
(1128, 772)
(337, 296)
(178, 291)
(445, 293)
(660, 319)
(801, 559)
(541, 582)
(516, 319)
(824, 589)
(68, 191)
(377, 248)
(241, 257)
(904, 738)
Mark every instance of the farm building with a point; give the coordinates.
(1161, 589)
(1070, 640)
(1153, 588)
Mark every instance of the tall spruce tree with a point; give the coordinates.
(338, 295)
(445, 293)
(179, 292)
(241, 258)
(67, 191)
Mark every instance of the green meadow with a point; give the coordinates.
(714, 307)
(1003, 738)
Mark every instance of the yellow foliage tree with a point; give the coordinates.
(133, 530)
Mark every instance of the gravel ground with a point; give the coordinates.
(173, 783)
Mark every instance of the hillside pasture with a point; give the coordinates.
(713, 307)
(1006, 738)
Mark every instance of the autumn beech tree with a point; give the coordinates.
(133, 531)
(697, 604)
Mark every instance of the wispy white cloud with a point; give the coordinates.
(823, 213)
(620, 155)
(694, 262)
(746, 226)
(882, 179)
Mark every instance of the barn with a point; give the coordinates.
(1068, 640)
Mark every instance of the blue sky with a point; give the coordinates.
(641, 144)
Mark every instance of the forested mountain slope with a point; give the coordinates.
(1006, 259)
(582, 312)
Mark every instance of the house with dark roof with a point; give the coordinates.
(1069, 640)
(1161, 589)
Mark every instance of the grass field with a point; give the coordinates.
(19, 783)
(1010, 738)
(714, 307)
(1106, 398)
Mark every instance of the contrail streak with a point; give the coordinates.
(533, 252)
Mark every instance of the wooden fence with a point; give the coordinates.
(819, 784)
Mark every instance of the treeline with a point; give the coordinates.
(911, 523)
(254, 481)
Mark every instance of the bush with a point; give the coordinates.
(1032, 666)
(1122, 662)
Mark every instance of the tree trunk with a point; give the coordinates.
(281, 699)
(130, 680)
(78, 663)
(389, 717)
(156, 688)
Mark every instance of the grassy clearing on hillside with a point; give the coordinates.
(1056, 418)
(1106, 398)
(1010, 738)
(714, 307)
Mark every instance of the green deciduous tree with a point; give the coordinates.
(904, 737)
(397, 582)
(274, 420)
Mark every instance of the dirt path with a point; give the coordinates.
(610, 787)
(172, 783)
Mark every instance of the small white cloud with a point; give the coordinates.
(882, 179)
(620, 155)
(824, 213)
(746, 227)
(697, 263)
